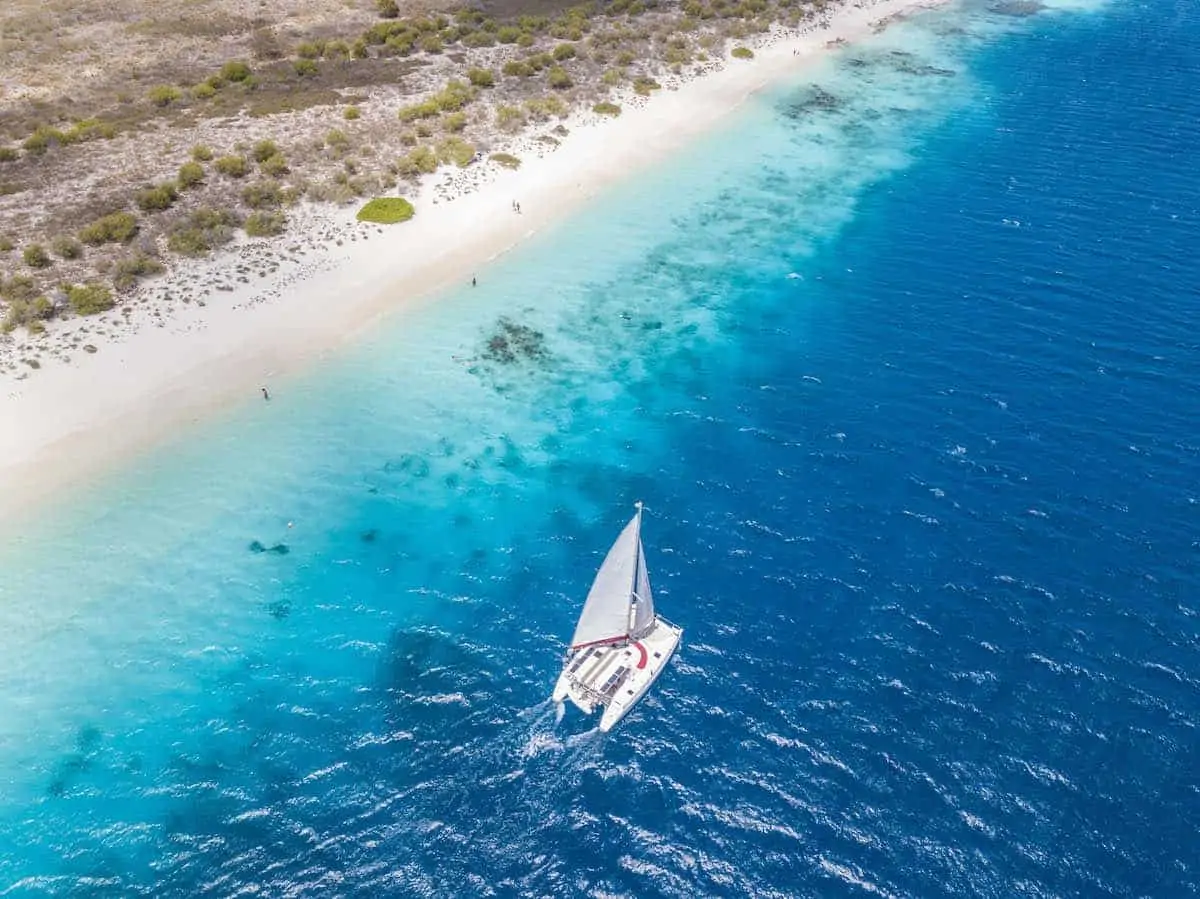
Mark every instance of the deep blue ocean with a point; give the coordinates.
(904, 362)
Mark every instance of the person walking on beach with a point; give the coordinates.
(472, 280)
(266, 393)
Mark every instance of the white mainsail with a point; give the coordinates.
(606, 616)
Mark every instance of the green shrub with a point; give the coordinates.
(264, 150)
(8, 154)
(265, 224)
(525, 40)
(536, 24)
(275, 166)
(309, 50)
(190, 174)
(203, 231)
(431, 43)
(675, 57)
(517, 68)
(426, 109)
(559, 79)
(478, 39)
(163, 94)
(116, 227)
(18, 287)
(642, 86)
(606, 108)
(127, 271)
(508, 34)
(235, 71)
(507, 160)
(350, 113)
(455, 122)
(542, 108)
(14, 316)
(419, 161)
(613, 78)
(509, 118)
(42, 138)
(564, 52)
(65, 247)
(157, 197)
(90, 129)
(387, 8)
(201, 153)
(203, 91)
(305, 68)
(6, 243)
(454, 96)
(232, 166)
(28, 312)
(742, 53)
(402, 44)
(35, 256)
(262, 194)
(481, 77)
(89, 299)
(336, 138)
(456, 151)
(386, 211)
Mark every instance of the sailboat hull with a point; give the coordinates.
(616, 677)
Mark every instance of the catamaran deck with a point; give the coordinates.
(616, 676)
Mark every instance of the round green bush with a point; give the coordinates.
(386, 211)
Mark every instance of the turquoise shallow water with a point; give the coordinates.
(903, 363)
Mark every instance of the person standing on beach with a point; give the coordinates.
(472, 280)
(266, 394)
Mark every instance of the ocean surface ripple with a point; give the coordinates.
(905, 364)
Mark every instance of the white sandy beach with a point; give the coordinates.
(165, 365)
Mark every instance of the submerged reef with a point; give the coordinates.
(279, 549)
(513, 342)
(815, 99)
(1020, 8)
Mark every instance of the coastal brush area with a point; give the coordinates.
(190, 215)
(135, 136)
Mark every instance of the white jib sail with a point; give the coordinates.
(643, 601)
(605, 617)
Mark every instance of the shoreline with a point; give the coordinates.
(78, 419)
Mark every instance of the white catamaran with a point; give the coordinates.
(620, 646)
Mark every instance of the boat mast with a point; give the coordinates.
(637, 564)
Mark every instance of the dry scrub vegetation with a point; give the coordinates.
(134, 132)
